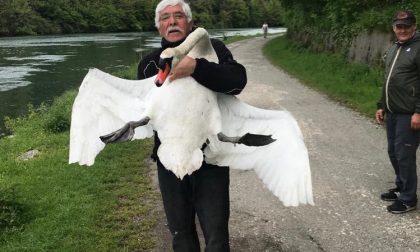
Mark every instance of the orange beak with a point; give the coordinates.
(162, 75)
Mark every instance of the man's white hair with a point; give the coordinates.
(165, 3)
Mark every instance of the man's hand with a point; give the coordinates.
(183, 69)
(380, 116)
(415, 121)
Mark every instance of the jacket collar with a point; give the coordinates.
(166, 44)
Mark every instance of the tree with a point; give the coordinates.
(203, 13)
(236, 13)
(16, 17)
(257, 13)
(20, 17)
(273, 13)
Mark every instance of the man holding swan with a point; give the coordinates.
(198, 118)
(205, 192)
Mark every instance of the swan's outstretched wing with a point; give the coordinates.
(282, 165)
(104, 104)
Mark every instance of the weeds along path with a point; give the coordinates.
(350, 169)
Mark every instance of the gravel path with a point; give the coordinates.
(349, 166)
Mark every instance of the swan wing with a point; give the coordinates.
(104, 104)
(283, 165)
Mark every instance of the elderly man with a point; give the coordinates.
(400, 108)
(204, 193)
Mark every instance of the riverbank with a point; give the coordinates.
(47, 205)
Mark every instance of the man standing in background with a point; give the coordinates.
(399, 108)
(205, 192)
(265, 29)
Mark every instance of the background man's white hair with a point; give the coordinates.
(164, 3)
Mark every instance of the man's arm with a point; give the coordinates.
(148, 65)
(417, 86)
(415, 119)
(227, 77)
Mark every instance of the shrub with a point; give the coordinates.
(58, 116)
(12, 213)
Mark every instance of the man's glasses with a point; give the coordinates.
(177, 16)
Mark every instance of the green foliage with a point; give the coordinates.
(16, 17)
(48, 205)
(129, 73)
(58, 117)
(12, 213)
(23, 17)
(315, 21)
(236, 13)
(356, 85)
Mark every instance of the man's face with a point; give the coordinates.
(404, 32)
(173, 23)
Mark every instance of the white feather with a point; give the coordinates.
(282, 165)
(105, 103)
(185, 114)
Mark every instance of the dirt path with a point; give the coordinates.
(349, 166)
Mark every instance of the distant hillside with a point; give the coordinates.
(28, 17)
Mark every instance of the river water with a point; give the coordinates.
(37, 69)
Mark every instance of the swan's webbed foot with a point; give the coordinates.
(124, 134)
(247, 139)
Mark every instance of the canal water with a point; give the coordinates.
(34, 70)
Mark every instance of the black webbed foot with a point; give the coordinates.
(126, 133)
(247, 139)
(256, 140)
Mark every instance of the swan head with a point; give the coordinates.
(164, 66)
(168, 60)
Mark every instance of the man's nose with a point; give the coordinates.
(172, 19)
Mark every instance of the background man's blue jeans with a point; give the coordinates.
(205, 193)
(402, 146)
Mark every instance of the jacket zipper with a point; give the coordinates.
(389, 77)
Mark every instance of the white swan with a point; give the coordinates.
(186, 114)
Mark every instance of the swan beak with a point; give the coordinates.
(162, 75)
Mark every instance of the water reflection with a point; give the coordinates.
(37, 69)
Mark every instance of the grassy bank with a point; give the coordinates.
(355, 85)
(48, 205)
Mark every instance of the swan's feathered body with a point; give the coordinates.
(183, 136)
(186, 114)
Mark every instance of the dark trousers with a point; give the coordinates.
(402, 146)
(205, 193)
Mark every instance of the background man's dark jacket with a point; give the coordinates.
(401, 91)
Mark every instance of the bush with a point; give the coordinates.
(12, 214)
(58, 116)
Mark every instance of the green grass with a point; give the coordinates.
(236, 38)
(357, 86)
(48, 205)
